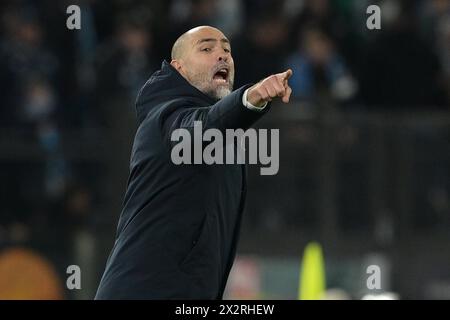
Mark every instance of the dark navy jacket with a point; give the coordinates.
(178, 231)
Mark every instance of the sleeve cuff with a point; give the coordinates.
(250, 106)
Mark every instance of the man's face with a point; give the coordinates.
(207, 62)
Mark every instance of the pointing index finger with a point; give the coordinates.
(287, 74)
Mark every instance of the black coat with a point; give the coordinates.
(178, 231)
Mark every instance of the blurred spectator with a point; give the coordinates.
(318, 68)
(320, 13)
(39, 102)
(260, 50)
(184, 15)
(229, 17)
(39, 108)
(23, 55)
(126, 61)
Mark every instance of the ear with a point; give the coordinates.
(176, 64)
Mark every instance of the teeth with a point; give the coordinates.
(221, 75)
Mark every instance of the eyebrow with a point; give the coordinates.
(224, 40)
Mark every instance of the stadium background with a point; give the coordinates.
(364, 154)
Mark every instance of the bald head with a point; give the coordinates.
(202, 56)
(177, 49)
(188, 39)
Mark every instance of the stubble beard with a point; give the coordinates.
(205, 83)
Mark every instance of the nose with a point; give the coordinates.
(223, 56)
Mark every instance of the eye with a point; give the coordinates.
(227, 50)
(206, 49)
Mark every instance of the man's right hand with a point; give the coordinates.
(271, 87)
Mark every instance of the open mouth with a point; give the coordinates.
(221, 75)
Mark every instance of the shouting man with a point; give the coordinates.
(178, 231)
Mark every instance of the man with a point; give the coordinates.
(179, 227)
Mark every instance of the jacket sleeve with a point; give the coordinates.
(227, 113)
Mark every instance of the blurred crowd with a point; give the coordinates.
(52, 74)
(53, 79)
